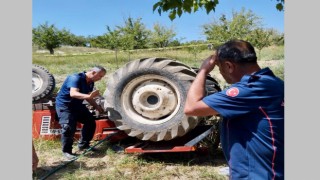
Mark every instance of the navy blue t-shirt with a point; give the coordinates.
(77, 80)
(252, 129)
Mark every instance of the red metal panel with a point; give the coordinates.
(105, 127)
(45, 125)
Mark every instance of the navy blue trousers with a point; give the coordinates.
(68, 118)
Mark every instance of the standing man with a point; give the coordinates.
(70, 108)
(252, 127)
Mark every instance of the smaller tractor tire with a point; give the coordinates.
(43, 83)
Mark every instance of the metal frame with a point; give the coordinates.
(186, 143)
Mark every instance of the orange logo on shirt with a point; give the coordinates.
(232, 92)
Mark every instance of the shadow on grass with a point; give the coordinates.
(202, 158)
(115, 147)
(50, 172)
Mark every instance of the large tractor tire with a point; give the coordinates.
(212, 86)
(146, 98)
(43, 83)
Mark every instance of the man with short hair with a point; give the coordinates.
(252, 110)
(70, 108)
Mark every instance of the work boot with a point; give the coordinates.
(69, 156)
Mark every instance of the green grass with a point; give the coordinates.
(74, 60)
(46, 145)
(108, 164)
(279, 70)
(272, 53)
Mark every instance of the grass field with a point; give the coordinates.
(110, 163)
(71, 60)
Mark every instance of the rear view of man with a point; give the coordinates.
(252, 128)
(70, 108)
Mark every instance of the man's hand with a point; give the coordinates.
(208, 64)
(194, 105)
(94, 94)
(92, 101)
(74, 93)
(95, 106)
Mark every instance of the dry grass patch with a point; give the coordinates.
(114, 165)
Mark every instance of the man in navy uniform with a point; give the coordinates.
(252, 111)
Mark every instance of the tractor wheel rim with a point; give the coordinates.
(154, 99)
(37, 82)
(150, 99)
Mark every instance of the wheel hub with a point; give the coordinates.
(153, 99)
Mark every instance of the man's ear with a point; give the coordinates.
(230, 67)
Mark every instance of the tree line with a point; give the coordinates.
(133, 34)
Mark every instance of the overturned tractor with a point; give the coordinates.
(145, 98)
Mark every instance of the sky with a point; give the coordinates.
(84, 17)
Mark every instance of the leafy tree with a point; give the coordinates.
(49, 37)
(161, 36)
(178, 7)
(127, 43)
(276, 37)
(114, 42)
(99, 41)
(113, 37)
(133, 35)
(74, 40)
(175, 42)
(239, 27)
(110, 40)
(260, 38)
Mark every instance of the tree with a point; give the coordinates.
(74, 40)
(276, 37)
(113, 39)
(114, 42)
(49, 37)
(133, 35)
(175, 42)
(260, 38)
(161, 36)
(178, 7)
(99, 41)
(239, 27)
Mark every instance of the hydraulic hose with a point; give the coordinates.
(68, 162)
